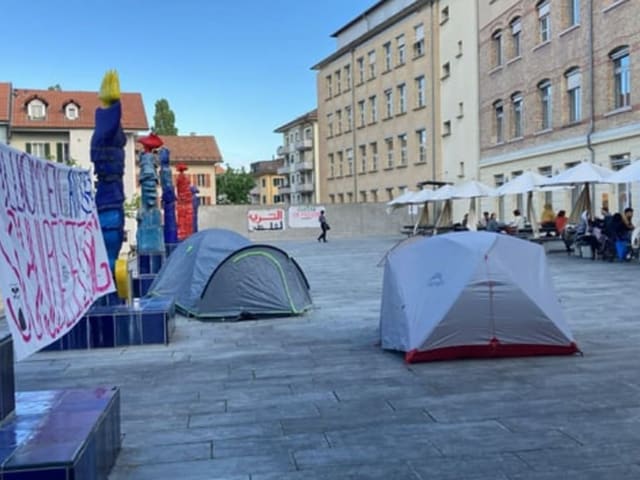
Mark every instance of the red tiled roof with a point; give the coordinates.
(5, 96)
(191, 148)
(134, 116)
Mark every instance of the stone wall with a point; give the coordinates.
(346, 220)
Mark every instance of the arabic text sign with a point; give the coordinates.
(54, 263)
(272, 219)
(304, 216)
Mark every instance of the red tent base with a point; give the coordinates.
(493, 349)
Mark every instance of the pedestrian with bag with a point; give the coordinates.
(324, 225)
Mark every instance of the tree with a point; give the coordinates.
(233, 186)
(164, 119)
(55, 87)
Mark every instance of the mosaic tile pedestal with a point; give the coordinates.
(61, 435)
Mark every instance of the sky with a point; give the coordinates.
(233, 69)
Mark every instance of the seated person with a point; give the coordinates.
(492, 224)
(517, 223)
(561, 222)
(627, 219)
(548, 219)
(584, 234)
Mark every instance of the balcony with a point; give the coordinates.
(303, 166)
(305, 187)
(304, 144)
(285, 170)
(285, 190)
(282, 150)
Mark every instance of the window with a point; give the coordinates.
(332, 167)
(389, 143)
(329, 86)
(308, 134)
(421, 137)
(349, 115)
(498, 113)
(460, 110)
(546, 171)
(264, 183)
(338, 122)
(330, 125)
(362, 111)
(516, 28)
(374, 196)
(373, 106)
(544, 21)
(496, 40)
(574, 96)
(498, 180)
(363, 196)
(418, 44)
(459, 54)
(62, 152)
(374, 156)
(400, 49)
(277, 182)
(402, 98)
(347, 77)
(363, 158)
(388, 97)
(372, 64)
(37, 110)
(71, 111)
(420, 92)
(340, 164)
(544, 89)
(201, 180)
(338, 82)
(387, 56)
(444, 15)
(349, 161)
(360, 63)
(40, 150)
(574, 12)
(621, 77)
(446, 128)
(402, 139)
(516, 105)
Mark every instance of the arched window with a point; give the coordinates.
(544, 20)
(498, 113)
(37, 109)
(516, 28)
(516, 114)
(621, 76)
(574, 94)
(544, 90)
(496, 39)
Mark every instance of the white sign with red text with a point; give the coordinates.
(271, 219)
(304, 216)
(54, 262)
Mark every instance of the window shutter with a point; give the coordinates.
(59, 154)
(208, 180)
(47, 150)
(28, 147)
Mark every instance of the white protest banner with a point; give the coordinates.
(54, 262)
(304, 216)
(271, 219)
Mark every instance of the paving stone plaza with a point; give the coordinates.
(316, 398)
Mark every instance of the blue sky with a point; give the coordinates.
(233, 69)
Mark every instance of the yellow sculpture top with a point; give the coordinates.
(110, 88)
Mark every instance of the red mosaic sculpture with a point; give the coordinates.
(184, 209)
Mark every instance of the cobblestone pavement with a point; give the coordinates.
(316, 398)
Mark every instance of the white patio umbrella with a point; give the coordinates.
(628, 174)
(584, 173)
(473, 190)
(402, 200)
(528, 182)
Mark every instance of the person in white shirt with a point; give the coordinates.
(517, 223)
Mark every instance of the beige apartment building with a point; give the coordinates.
(300, 153)
(268, 182)
(558, 85)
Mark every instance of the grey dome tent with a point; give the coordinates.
(217, 273)
(471, 294)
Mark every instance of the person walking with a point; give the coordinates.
(324, 225)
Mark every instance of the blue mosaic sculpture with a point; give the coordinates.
(107, 155)
(168, 198)
(149, 236)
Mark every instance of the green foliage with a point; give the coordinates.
(233, 186)
(131, 206)
(164, 120)
(55, 87)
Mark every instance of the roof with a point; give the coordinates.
(192, 148)
(134, 116)
(266, 167)
(5, 96)
(308, 117)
